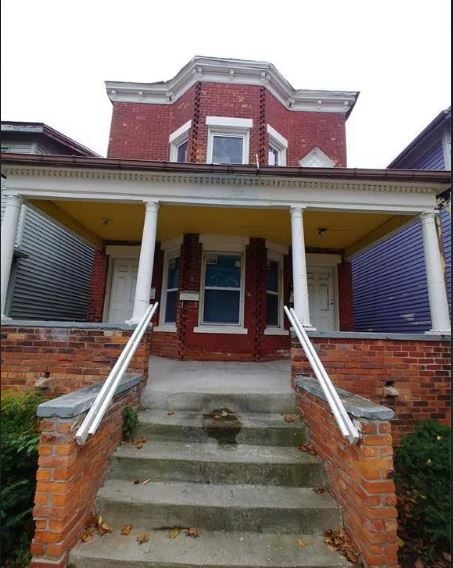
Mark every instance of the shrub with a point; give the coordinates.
(19, 458)
(422, 469)
(130, 422)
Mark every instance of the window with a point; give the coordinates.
(273, 292)
(172, 287)
(316, 158)
(277, 148)
(179, 143)
(228, 140)
(222, 289)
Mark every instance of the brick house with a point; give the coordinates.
(225, 196)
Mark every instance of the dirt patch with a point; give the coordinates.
(223, 425)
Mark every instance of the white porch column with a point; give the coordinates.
(146, 261)
(8, 238)
(300, 284)
(437, 290)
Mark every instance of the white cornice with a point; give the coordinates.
(235, 71)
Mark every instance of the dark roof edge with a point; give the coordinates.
(277, 171)
(442, 117)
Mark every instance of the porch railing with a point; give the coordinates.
(104, 398)
(342, 418)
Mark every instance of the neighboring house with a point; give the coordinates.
(390, 286)
(51, 272)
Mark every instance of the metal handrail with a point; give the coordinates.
(345, 424)
(96, 413)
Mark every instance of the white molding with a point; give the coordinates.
(170, 252)
(232, 71)
(223, 243)
(320, 259)
(275, 247)
(233, 132)
(189, 296)
(122, 251)
(229, 122)
(277, 137)
(171, 244)
(165, 328)
(316, 158)
(276, 331)
(223, 329)
(180, 132)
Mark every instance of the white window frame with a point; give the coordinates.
(316, 158)
(177, 138)
(277, 253)
(279, 143)
(229, 127)
(172, 249)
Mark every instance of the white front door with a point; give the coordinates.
(122, 293)
(322, 297)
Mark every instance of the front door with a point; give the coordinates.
(322, 297)
(122, 294)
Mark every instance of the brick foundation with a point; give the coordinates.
(359, 478)
(70, 357)
(418, 369)
(69, 477)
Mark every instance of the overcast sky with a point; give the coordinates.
(56, 55)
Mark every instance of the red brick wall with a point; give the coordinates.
(359, 478)
(419, 370)
(71, 358)
(345, 295)
(68, 479)
(141, 131)
(98, 286)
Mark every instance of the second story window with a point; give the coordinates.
(228, 140)
(273, 156)
(179, 143)
(181, 151)
(276, 155)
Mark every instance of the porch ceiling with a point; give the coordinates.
(124, 222)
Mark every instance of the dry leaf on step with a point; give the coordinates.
(102, 526)
(126, 531)
(173, 533)
(142, 537)
(419, 564)
(171, 413)
(289, 418)
(301, 543)
(192, 532)
(87, 534)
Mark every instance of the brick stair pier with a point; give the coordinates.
(221, 459)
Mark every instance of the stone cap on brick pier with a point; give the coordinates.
(78, 402)
(355, 405)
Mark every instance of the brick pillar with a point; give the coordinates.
(255, 292)
(345, 296)
(190, 274)
(98, 286)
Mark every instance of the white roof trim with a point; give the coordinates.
(232, 71)
(316, 158)
(229, 122)
(279, 139)
(179, 131)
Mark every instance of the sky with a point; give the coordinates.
(56, 55)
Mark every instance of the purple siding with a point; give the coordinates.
(432, 159)
(445, 217)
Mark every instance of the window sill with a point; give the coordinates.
(276, 331)
(169, 328)
(224, 329)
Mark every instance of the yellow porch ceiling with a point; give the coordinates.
(124, 222)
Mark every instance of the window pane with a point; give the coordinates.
(272, 156)
(181, 155)
(223, 270)
(272, 310)
(227, 150)
(173, 273)
(170, 307)
(221, 306)
(272, 276)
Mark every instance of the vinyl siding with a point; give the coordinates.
(432, 159)
(445, 218)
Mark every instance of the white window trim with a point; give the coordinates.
(319, 156)
(229, 126)
(168, 254)
(178, 137)
(279, 142)
(280, 328)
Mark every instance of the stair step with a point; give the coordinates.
(210, 550)
(185, 426)
(259, 508)
(212, 463)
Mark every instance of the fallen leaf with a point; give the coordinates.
(145, 481)
(170, 412)
(419, 563)
(142, 538)
(102, 526)
(320, 490)
(173, 533)
(87, 534)
(192, 532)
(400, 542)
(137, 481)
(446, 556)
(301, 543)
(307, 448)
(289, 418)
(126, 531)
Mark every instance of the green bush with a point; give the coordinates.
(422, 473)
(19, 458)
(130, 422)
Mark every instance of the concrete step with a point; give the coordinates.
(214, 463)
(257, 429)
(210, 550)
(259, 508)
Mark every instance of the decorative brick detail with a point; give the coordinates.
(360, 478)
(71, 358)
(69, 477)
(98, 286)
(345, 294)
(418, 369)
(192, 149)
